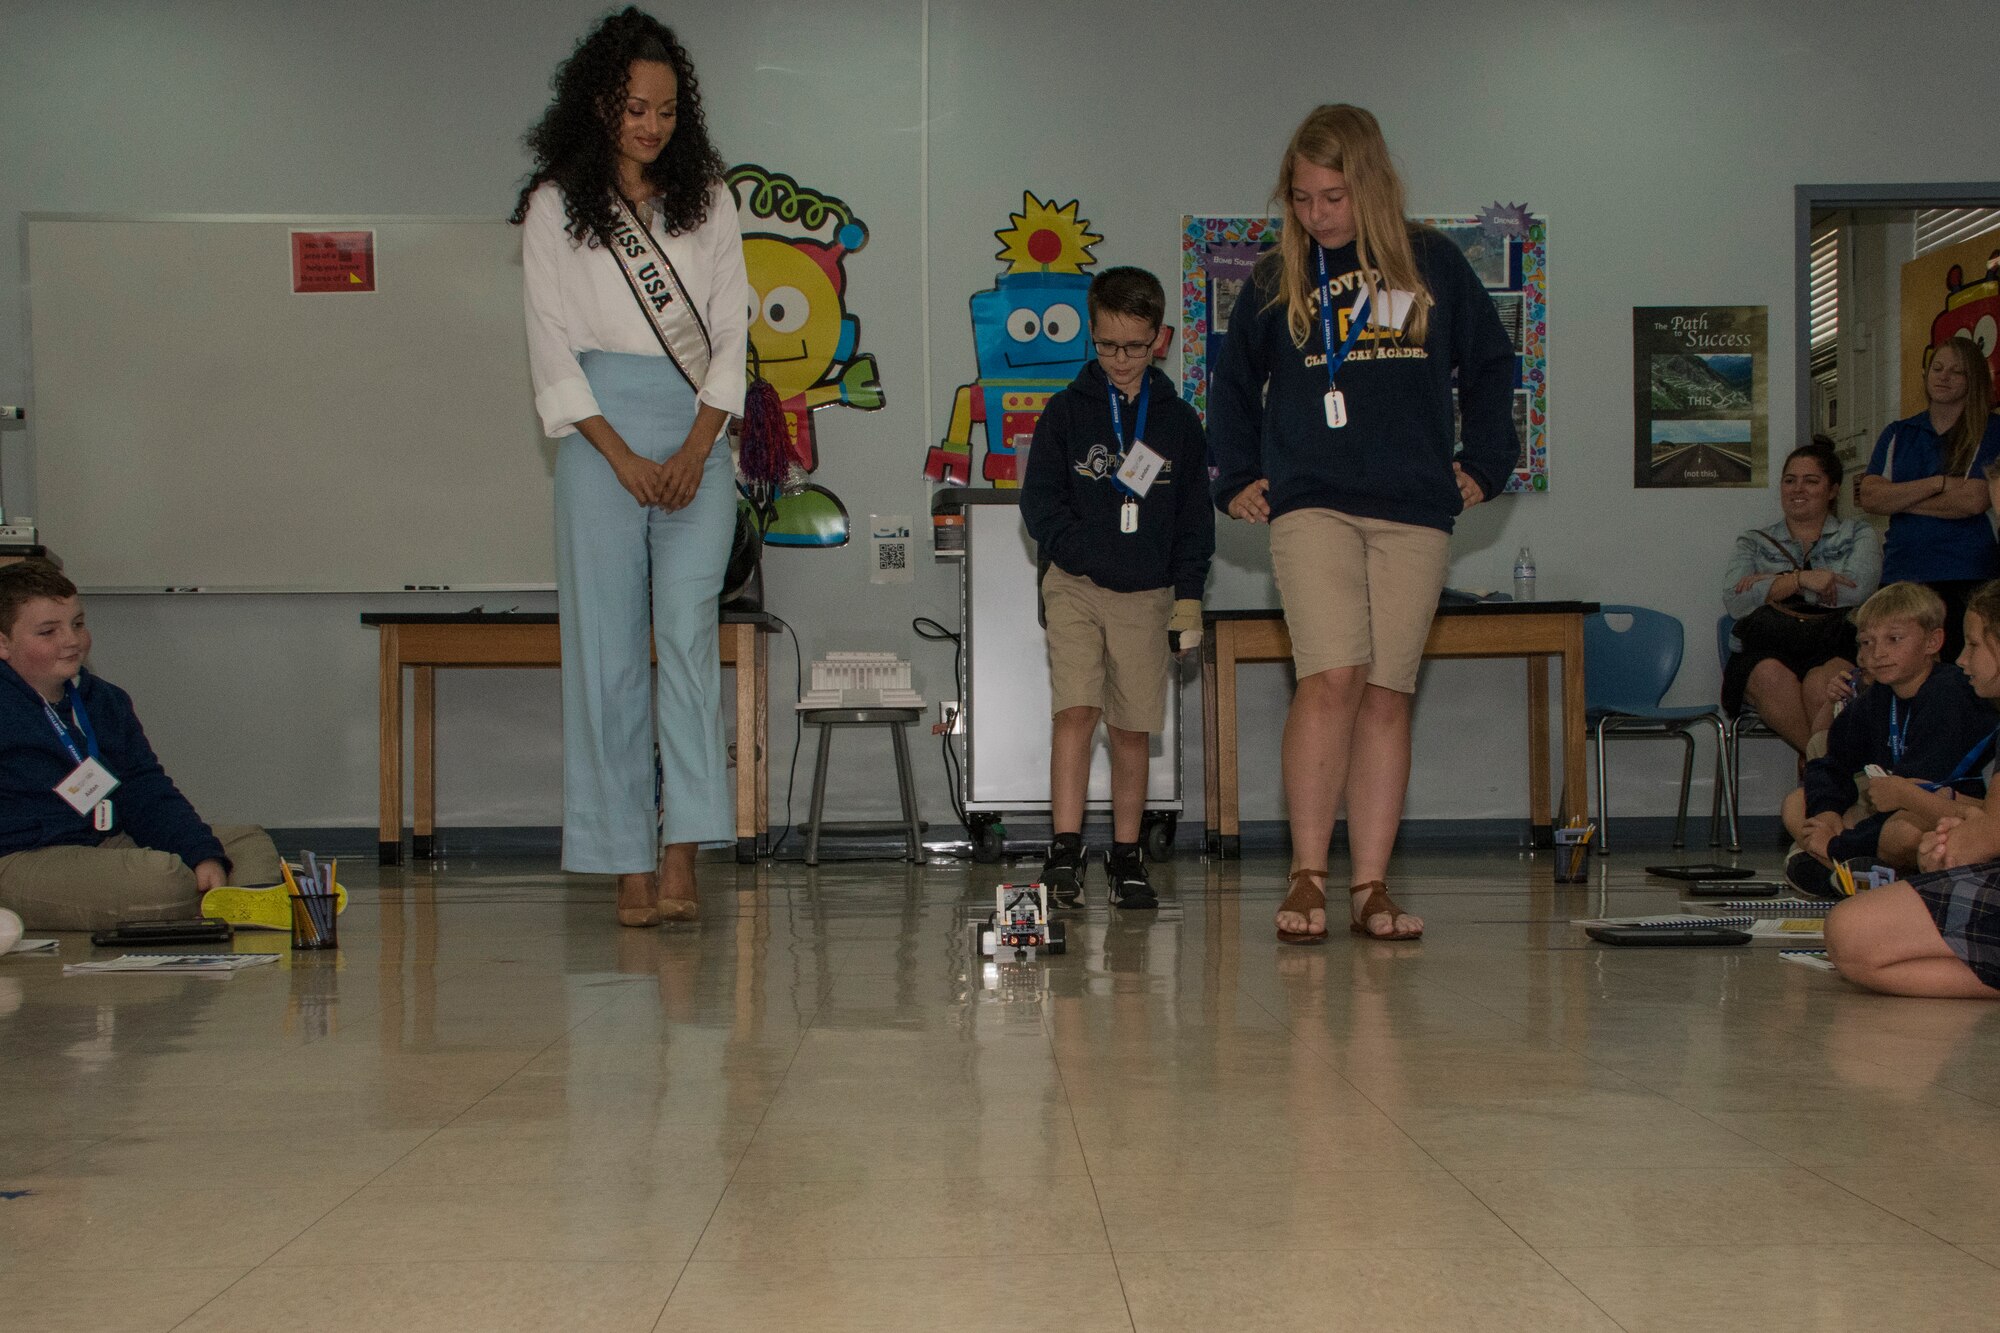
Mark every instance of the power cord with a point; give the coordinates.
(927, 628)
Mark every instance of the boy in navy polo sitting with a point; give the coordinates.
(1115, 498)
(92, 831)
(1919, 723)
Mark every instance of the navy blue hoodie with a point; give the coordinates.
(146, 804)
(1392, 460)
(1941, 725)
(1070, 498)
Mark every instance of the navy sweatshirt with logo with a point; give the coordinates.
(33, 759)
(1392, 460)
(1071, 497)
(1941, 725)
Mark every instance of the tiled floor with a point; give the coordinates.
(496, 1110)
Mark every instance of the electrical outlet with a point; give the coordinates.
(950, 718)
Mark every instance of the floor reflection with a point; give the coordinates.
(819, 1105)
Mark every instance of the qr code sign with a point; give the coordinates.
(891, 536)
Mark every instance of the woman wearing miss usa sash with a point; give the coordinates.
(637, 306)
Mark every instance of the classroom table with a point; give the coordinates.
(1535, 631)
(424, 644)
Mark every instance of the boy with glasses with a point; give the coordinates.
(1116, 499)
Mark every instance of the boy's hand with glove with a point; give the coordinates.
(1184, 626)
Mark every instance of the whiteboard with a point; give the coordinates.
(198, 425)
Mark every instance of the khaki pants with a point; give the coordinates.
(94, 888)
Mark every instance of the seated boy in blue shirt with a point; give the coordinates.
(1125, 566)
(1919, 722)
(92, 831)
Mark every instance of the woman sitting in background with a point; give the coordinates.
(1789, 588)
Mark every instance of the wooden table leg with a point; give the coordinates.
(1576, 773)
(1540, 826)
(1229, 840)
(761, 648)
(389, 844)
(742, 654)
(423, 842)
(1211, 798)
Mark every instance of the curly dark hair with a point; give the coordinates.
(575, 142)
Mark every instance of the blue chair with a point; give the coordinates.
(1746, 725)
(1626, 672)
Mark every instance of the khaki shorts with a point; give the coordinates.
(1108, 650)
(1358, 591)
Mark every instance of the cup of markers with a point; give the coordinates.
(315, 904)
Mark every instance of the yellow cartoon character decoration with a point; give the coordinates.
(802, 339)
(1030, 336)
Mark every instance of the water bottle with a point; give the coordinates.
(1524, 576)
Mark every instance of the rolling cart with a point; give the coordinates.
(1005, 705)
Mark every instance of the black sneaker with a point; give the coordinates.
(1810, 876)
(1062, 872)
(1130, 889)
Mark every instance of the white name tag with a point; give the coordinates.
(88, 783)
(1391, 307)
(1142, 466)
(1336, 409)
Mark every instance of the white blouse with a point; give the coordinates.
(578, 301)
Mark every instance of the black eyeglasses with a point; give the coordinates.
(1128, 350)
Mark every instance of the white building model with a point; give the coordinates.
(861, 680)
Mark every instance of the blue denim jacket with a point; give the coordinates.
(1847, 546)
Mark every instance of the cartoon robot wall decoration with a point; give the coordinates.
(795, 245)
(1031, 335)
(1972, 310)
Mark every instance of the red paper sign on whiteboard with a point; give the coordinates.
(333, 261)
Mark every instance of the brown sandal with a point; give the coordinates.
(1378, 903)
(1305, 898)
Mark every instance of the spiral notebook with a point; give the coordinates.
(1814, 958)
(1676, 922)
(1774, 906)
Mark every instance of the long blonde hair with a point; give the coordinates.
(1349, 140)
(1962, 440)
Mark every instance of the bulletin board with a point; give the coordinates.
(1506, 246)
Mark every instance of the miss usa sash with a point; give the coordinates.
(661, 297)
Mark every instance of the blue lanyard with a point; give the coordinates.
(82, 718)
(1898, 732)
(1966, 766)
(1118, 426)
(1335, 360)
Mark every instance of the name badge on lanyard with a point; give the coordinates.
(1137, 464)
(1336, 402)
(1899, 729)
(89, 785)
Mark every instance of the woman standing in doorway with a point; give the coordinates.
(637, 318)
(1331, 420)
(1929, 475)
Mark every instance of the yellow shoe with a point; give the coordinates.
(259, 909)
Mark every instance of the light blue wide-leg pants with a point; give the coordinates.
(620, 564)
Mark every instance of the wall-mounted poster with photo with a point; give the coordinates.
(1698, 381)
(1506, 245)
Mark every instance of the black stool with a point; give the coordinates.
(895, 719)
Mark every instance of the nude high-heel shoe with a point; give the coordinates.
(641, 912)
